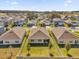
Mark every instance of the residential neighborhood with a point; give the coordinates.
(28, 34)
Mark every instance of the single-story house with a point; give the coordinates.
(62, 16)
(4, 21)
(19, 21)
(58, 22)
(77, 17)
(74, 24)
(63, 35)
(12, 37)
(68, 22)
(46, 22)
(31, 23)
(69, 16)
(71, 23)
(41, 16)
(76, 29)
(2, 29)
(38, 37)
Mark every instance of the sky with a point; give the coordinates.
(40, 5)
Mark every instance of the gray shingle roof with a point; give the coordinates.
(14, 33)
(64, 34)
(38, 33)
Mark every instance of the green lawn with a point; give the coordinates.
(63, 50)
(44, 51)
(4, 53)
(73, 51)
(39, 51)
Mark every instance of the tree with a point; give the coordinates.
(27, 34)
(73, 18)
(7, 28)
(28, 49)
(67, 47)
(24, 25)
(41, 24)
(38, 23)
(10, 25)
(50, 46)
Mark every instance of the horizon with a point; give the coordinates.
(40, 10)
(40, 5)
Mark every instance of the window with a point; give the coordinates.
(39, 40)
(71, 41)
(16, 41)
(32, 40)
(1, 42)
(46, 41)
(6, 41)
(61, 41)
(76, 41)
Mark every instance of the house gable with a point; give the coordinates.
(9, 36)
(39, 35)
(20, 32)
(58, 32)
(68, 36)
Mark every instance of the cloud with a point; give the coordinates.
(67, 2)
(14, 3)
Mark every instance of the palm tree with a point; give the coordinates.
(50, 46)
(28, 49)
(38, 23)
(67, 47)
(27, 34)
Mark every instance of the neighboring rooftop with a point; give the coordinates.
(38, 33)
(14, 33)
(63, 33)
